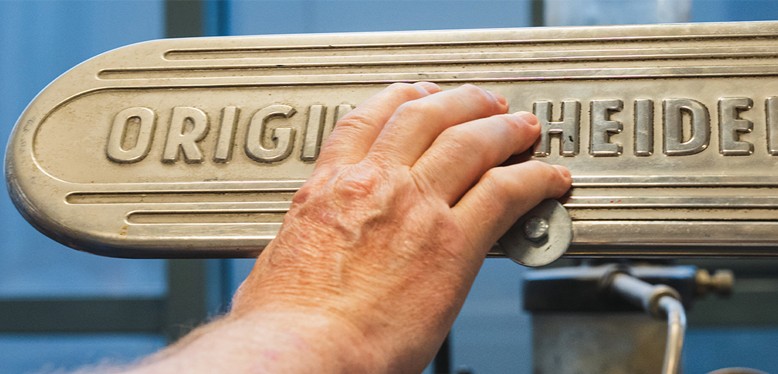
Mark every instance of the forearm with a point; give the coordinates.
(269, 342)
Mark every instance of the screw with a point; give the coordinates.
(536, 229)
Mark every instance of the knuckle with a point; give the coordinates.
(356, 187)
(478, 93)
(554, 175)
(499, 185)
(405, 90)
(471, 88)
(516, 127)
(358, 183)
(513, 132)
(353, 120)
(398, 86)
(546, 167)
(552, 178)
(302, 195)
(498, 194)
(416, 109)
(468, 145)
(510, 120)
(510, 187)
(313, 187)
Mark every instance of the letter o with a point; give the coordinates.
(147, 121)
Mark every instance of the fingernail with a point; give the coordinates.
(565, 172)
(527, 117)
(429, 87)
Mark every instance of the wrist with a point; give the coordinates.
(298, 341)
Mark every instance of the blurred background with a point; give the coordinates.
(61, 309)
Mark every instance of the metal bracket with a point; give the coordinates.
(540, 237)
(89, 162)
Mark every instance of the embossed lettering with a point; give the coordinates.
(685, 125)
(731, 126)
(226, 137)
(644, 127)
(283, 137)
(341, 110)
(771, 107)
(673, 122)
(313, 132)
(603, 127)
(567, 129)
(131, 134)
(144, 120)
(187, 127)
(318, 125)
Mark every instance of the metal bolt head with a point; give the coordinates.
(535, 229)
(532, 242)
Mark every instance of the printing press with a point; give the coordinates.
(193, 148)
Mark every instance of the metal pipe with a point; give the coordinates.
(635, 291)
(676, 329)
(661, 302)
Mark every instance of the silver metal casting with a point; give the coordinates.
(540, 237)
(535, 229)
(194, 147)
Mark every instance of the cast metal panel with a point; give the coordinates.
(194, 147)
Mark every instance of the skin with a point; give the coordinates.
(381, 245)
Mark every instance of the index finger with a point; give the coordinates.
(355, 133)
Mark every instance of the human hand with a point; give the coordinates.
(384, 240)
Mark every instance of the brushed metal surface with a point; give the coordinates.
(194, 147)
(540, 237)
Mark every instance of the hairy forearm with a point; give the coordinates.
(268, 342)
